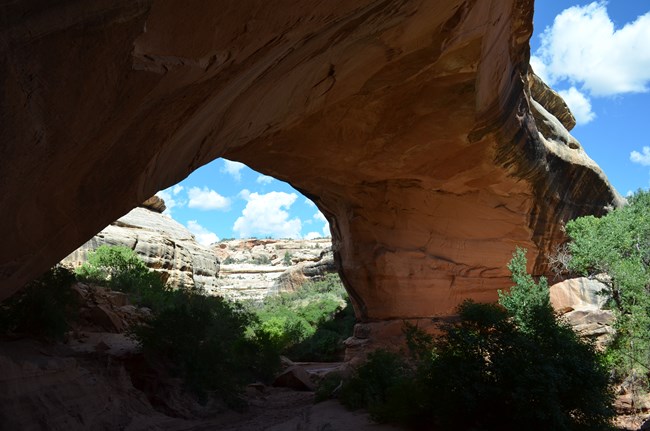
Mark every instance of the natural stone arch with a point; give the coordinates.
(409, 123)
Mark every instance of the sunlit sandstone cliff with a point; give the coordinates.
(412, 125)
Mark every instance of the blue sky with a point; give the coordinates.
(595, 54)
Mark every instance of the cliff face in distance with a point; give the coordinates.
(164, 245)
(238, 269)
(412, 125)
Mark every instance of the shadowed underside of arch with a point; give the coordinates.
(411, 124)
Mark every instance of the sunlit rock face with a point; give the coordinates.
(162, 243)
(411, 124)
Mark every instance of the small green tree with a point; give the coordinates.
(203, 339)
(43, 308)
(286, 260)
(120, 268)
(618, 244)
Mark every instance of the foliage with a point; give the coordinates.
(506, 366)
(385, 386)
(527, 302)
(228, 261)
(120, 268)
(286, 260)
(310, 323)
(619, 244)
(43, 308)
(261, 260)
(203, 340)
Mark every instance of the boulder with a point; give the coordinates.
(579, 294)
(580, 302)
(295, 377)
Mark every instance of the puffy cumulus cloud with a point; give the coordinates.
(207, 199)
(203, 236)
(244, 194)
(233, 169)
(321, 218)
(264, 179)
(171, 199)
(583, 47)
(579, 105)
(313, 235)
(266, 215)
(177, 189)
(642, 158)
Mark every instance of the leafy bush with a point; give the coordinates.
(228, 261)
(261, 260)
(507, 366)
(120, 268)
(309, 324)
(203, 340)
(44, 306)
(619, 244)
(286, 260)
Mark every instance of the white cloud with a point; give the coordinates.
(326, 228)
(203, 236)
(168, 195)
(539, 68)
(265, 215)
(244, 194)
(177, 189)
(264, 179)
(579, 105)
(309, 203)
(312, 235)
(233, 169)
(642, 158)
(584, 48)
(207, 199)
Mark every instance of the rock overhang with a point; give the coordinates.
(415, 126)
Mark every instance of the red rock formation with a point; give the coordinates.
(410, 124)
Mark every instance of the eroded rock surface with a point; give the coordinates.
(164, 245)
(411, 124)
(256, 268)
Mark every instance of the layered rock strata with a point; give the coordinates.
(411, 124)
(164, 245)
(255, 268)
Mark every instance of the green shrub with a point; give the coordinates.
(261, 260)
(43, 308)
(121, 269)
(203, 340)
(507, 366)
(286, 260)
(619, 244)
(309, 324)
(385, 386)
(326, 343)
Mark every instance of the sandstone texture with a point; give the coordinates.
(582, 303)
(412, 125)
(165, 246)
(255, 268)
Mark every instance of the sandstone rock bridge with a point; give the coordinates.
(416, 126)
